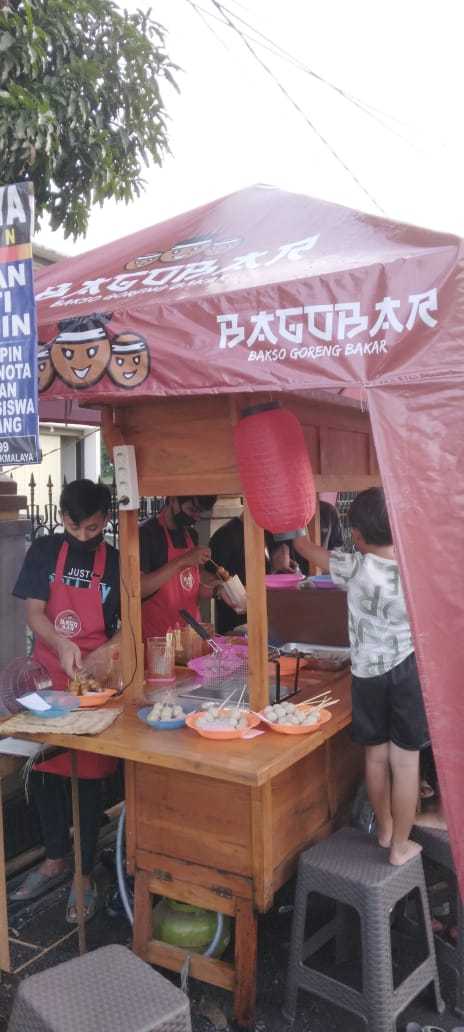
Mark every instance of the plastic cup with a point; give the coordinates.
(160, 658)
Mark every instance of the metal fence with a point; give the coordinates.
(47, 520)
(344, 500)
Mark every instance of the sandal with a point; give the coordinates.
(414, 1027)
(36, 884)
(426, 790)
(90, 904)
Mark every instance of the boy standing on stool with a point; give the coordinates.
(388, 710)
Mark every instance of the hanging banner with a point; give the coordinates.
(19, 421)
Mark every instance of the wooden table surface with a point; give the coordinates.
(252, 762)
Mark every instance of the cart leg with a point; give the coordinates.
(143, 914)
(5, 962)
(77, 854)
(245, 963)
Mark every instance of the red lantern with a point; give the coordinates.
(275, 470)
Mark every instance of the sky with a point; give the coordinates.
(231, 125)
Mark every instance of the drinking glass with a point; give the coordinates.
(160, 658)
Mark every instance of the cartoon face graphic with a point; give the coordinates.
(130, 360)
(185, 250)
(80, 356)
(46, 372)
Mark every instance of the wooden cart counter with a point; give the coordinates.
(221, 824)
(250, 762)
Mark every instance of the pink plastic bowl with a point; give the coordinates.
(283, 580)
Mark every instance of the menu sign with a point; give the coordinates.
(19, 422)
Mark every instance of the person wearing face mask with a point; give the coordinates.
(70, 584)
(170, 558)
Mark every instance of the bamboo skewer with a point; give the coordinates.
(315, 698)
(225, 701)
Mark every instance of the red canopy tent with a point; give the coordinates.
(269, 291)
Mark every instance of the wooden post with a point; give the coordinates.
(245, 964)
(258, 678)
(77, 853)
(130, 794)
(261, 842)
(314, 531)
(5, 963)
(132, 655)
(143, 914)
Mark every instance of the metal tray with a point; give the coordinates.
(322, 657)
(305, 649)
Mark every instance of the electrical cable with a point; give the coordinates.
(266, 43)
(120, 866)
(297, 107)
(12, 469)
(121, 878)
(285, 54)
(352, 98)
(201, 14)
(134, 640)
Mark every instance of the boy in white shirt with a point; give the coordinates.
(388, 710)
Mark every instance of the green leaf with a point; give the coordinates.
(6, 41)
(80, 102)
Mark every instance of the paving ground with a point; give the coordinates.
(41, 939)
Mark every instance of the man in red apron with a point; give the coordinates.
(71, 586)
(170, 558)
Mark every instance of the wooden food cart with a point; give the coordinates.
(305, 302)
(221, 824)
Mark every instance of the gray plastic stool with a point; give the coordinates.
(436, 847)
(108, 990)
(353, 870)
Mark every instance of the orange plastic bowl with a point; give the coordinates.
(299, 729)
(221, 736)
(95, 698)
(287, 665)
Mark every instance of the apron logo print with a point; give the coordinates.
(68, 623)
(187, 580)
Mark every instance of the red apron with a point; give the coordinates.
(160, 613)
(78, 614)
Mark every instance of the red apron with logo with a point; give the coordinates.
(160, 613)
(78, 614)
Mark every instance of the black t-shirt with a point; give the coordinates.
(38, 572)
(228, 550)
(228, 547)
(331, 528)
(154, 545)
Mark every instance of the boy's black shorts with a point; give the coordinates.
(390, 708)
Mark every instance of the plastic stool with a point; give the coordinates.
(353, 870)
(108, 990)
(436, 847)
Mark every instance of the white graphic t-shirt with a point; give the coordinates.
(380, 635)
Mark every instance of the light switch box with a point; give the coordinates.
(125, 471)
